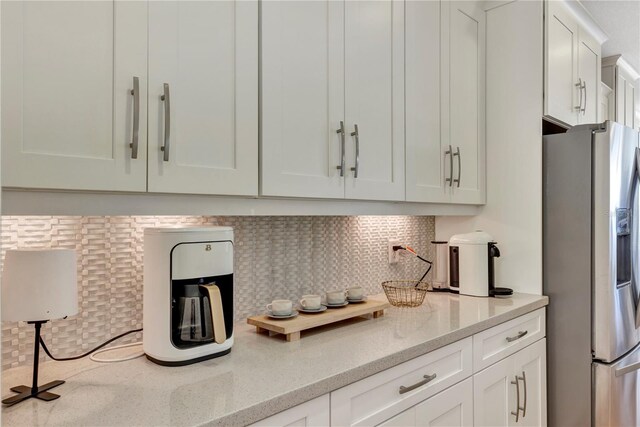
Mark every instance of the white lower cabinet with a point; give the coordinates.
(380, 397)
(456, 385)
(452, 407)
(312, 413)
(512, 392)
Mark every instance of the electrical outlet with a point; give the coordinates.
(394, 256)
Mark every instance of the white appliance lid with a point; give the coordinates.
(475, 238)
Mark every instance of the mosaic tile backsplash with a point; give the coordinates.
(275, 257)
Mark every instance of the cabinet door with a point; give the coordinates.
(67, 110)
(425, 159)
(452, 407)
(494, 395)
(589, 72)
(561, 95)
(314, 413)
(465, 113)
(374, 99)
(203, 57)
(531, 367)
(629, 103)
(302, 100)
(403, 419)
(603, 114)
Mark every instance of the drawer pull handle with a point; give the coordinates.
(427, 378)
(517, 337)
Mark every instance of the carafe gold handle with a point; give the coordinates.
(215, 301)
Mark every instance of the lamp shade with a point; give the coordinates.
(39, 284)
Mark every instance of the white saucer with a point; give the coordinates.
(317, 310)
(286, 316)
(357, 301)
(335, 305)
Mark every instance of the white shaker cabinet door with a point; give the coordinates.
(629, 103)
(531, 368)
(314, 413)
(403, 419)
(451, 408)
(464, 109)
(203, 97)
(562, 88)
(426, 165)
(494, 395)
(374, 99)
(302, 102)
(589, 61)
(68, 69)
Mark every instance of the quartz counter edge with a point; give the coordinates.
(295, 397)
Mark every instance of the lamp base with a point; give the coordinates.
(34, 391)
(27, 392)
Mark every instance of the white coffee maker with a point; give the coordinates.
(188, 294)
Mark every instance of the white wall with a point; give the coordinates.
(513, 213)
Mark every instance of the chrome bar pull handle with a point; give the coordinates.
(517, 411)
(457, 153)
(427, 379)
(167, 122)
(579, 86)
(136, 118)
(357, 166)
(584, 87)
(524, 382)
(517, 337)
(341, 132)
(449, 153)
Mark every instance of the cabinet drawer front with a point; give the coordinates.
(378, 397)
(503, 340)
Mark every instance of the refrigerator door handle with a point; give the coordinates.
(634, 276)
(627, 369)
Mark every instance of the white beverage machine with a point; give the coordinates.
(188, 294)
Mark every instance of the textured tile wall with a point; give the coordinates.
(275, 257)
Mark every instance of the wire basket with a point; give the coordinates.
(405, 293)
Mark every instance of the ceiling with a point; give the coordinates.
(620, 19)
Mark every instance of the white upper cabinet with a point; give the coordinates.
(425, 152)
(374, 99)
(332, 103)
(302, 105)
(573, 44)
(561, 76)
(589, 73)
(623, 80)
(68, 69)
(464, 113)
(203, 97)
(605, 103)
(445, 105)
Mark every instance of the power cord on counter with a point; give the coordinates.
(95, 351)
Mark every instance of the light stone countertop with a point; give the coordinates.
(262, 376)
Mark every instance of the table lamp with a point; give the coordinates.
(38, 285)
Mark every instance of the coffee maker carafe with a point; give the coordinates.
(188, 294)
(196, 312)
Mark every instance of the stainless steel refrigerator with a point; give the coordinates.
(591, 214)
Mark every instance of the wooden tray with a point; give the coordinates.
(291, 328)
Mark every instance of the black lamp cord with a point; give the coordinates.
(62, 359)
